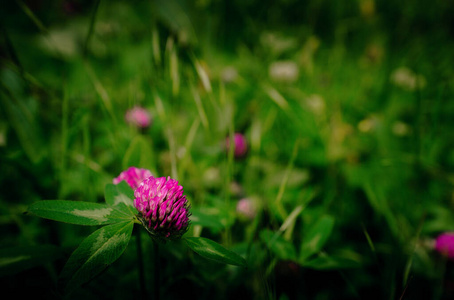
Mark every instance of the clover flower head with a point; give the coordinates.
(240, 145)
(245, 207)
(138, 116)
(133, 176)
(163, 208)
(444, 244)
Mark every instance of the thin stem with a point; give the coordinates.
(90, 29)
(156, 270)
(143, 291)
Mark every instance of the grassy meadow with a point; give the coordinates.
(348, 113)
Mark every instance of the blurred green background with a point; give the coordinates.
(347, 107)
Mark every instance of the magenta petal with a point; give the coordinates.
(444, 244)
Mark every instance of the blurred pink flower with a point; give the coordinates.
(240, 145)
(138, 116)
(133, 176)
(444, 244)
(245, 207)
(163, 209)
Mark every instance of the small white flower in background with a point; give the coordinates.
(400, 128)
(368, 124)
(229, 74)
(212, 177)
(285, 71)
(407, 79)
(315, 103)
(236, 189)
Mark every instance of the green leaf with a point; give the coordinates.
(342, 260)
(95, 253)
(122, 196)
(20, 110)
(278, 245)
(78, 212)
(17, 259)
(212, 250)
(316, 236)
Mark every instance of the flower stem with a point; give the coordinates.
(156, 269)
(143, 292)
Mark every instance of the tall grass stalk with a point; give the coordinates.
(64, 138)
(283, 185)
(91, 27)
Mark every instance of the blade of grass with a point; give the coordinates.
(198, 102)
(32, 17)
(64, 139)
(369, 240)
(289, 223)
(256, 134)
(169, 134)
(160, 107)
(284, 181)
(106, 101)
(28, 78)
(80, 158)
(101, 91)
(276, 97)
(229, 171)
(174, 75)
(24, 123)
(203, 76)
(86, 146)
(12, 52)
(188, 144)
(410, 258)
(173, 153)
(44, 31)
(155, 46)
(91, 27)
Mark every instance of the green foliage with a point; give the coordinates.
(278, 245)
(17, 259)
(206, 219)
(104, 246)
(350, 162)
(212, 250)
(139, 153)
(315, 237)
